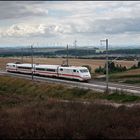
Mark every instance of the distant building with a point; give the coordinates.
(97, 50)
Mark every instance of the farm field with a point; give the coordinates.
(59, 112)
(130, 77)
(130, 73)
(78, 62)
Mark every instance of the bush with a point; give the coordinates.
(111, 67)
(139, 64)
(133, 67)
(61, 120)
(100, 70)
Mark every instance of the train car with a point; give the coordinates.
(20, 68)
(25, 68)
(69, 72)
(11, 67)
(73, 72)
(46, 70)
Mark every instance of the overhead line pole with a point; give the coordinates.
(32, 59)
(22, 55)
(107, 78)
(67, 56)
(75, 46)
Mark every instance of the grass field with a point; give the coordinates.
(22, 87)
(34, 110)
(130, 76)
(31, 110)
(78, 62)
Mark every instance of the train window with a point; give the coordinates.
(27, 68)
(53, 70)
(43, 69)
(61, 69)
(40, 69)
(74, 70)
(24, 67)
(83, 70)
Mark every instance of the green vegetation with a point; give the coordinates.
(117, 97)
(117, 76)
(135, 66)
(125, 78)
(76, 52)
(14, 89)
(132, 81)
(34, 110)
(112, 68)
(124, 51)
(121, 74)
(52, 119)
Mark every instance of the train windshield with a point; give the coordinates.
(84, 71)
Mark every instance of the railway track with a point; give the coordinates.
(94, 85)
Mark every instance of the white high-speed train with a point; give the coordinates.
(69, 72)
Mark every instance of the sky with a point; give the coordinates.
(56, 23)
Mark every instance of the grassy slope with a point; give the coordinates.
(53, 119)
(130, 76)
(33, 110)
(21, 88)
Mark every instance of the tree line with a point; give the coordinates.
(112, 68)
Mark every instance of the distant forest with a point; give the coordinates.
(125, 51)
(71, 52)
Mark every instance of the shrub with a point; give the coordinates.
(139, 64)
(133, 67)
(111, 68)
(62, 120)
(100, 70)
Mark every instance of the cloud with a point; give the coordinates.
(14, 9)
(104, 26)
(69, 19)
(34, 30)
(116, 26)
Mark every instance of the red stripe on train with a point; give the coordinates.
(77, 76)
(61, 74)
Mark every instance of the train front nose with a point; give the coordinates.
(86, 76)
